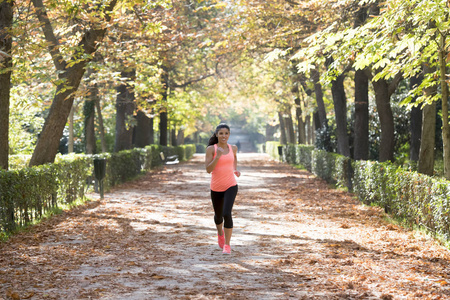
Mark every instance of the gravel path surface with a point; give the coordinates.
(154, 238)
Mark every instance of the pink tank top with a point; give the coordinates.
(222, 177)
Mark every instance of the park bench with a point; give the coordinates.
(169, 160)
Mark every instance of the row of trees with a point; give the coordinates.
(188, 64)
(379, 46)
(144, 53)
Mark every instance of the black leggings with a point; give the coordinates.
(222, 204)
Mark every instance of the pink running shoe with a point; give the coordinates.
(226, 249)
(221, 240)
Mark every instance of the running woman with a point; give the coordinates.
(221, 162)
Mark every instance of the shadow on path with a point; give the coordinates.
(294, 238)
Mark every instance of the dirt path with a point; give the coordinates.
(294, 238)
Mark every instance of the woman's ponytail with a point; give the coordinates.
(213, 140)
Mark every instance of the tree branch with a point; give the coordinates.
(394, 83)
(292, 2)
(49, 34)
(4, 55)
(195, 80)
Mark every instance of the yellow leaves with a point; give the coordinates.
(158, 277)
(223, 44)
(13, 295)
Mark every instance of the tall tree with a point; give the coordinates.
(70, 75)
(361, 129)
(89, 108)
(143, 130)
(283, 137)
(124, 111)
(416, 121)
(383, 92)
(315, 76)
(6, 20)
(361, 143)
(443, 54)
(340, 110)
(427, 141)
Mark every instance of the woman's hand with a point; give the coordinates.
(219, 152)
(237, 173)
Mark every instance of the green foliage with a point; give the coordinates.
(272, 150)
(410, 196)
(28, 193)
(303, 155)
(200, 148)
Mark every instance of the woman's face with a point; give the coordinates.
(223, 134)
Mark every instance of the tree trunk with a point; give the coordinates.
(444, 89)
(180, 137)
(427, 144)
(124, 108)
(283, 139)
(427, 141)
(71, 135)
(289, 124)
(101, 126)
(89, 120)
(70, 77)
(143, 130)
(163, 119)
(315, 76)
(361, 143)
(340, 110)
(6, 20)
(415, 123)
(300, 124)
(387, 141)
(173, 134)
(309, 130)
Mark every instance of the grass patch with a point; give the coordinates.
(5, 236)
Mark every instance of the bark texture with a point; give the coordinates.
(361, 143)
(6, 19)
(124, 111)
(315, 76)
(444, 90)
(163, 118)
(143, 130)
(428, 139)
(340, 110)
(283, 139)
(383, 92)
(415, 123)
(301, 132)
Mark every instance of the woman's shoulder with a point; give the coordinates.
(210, 148)
(234, 148)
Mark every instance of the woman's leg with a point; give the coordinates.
(217, 199)
(229, 197)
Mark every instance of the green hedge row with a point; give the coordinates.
(26, 194)
(415, 198)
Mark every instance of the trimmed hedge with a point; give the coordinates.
(27, 193)
(272, 150)
(415, 198)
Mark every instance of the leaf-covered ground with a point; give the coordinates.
(294, 238)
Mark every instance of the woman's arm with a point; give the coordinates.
(210, 160)
(236, 172)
